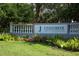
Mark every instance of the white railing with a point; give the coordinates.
(21, 28)
(74, 28)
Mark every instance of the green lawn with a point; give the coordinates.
(30, 49)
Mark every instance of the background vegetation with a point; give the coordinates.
(37, 13)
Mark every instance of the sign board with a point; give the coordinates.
(50, 28)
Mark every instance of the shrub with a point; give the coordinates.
(36, 38)
(72, 44)
(57, 41)
(60, 43)
(7, 37)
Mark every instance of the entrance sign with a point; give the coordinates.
(50, 28)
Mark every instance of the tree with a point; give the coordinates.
(15, 13)
(57, 12)
(71, 13)
(49, 12)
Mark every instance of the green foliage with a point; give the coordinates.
(7, 37)
(14, 13)
(49, 12)
(60, 43)
(72, 44)
(57, 12)
(71, 12)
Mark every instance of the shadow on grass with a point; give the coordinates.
(46, 43)
(49, 44)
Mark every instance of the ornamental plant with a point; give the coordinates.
(7, 37)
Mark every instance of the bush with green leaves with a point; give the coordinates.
(60, 43)
(72, 44)
(7, 37)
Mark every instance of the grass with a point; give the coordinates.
(31, 49)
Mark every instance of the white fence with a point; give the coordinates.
(74, 28)
(21, 28)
